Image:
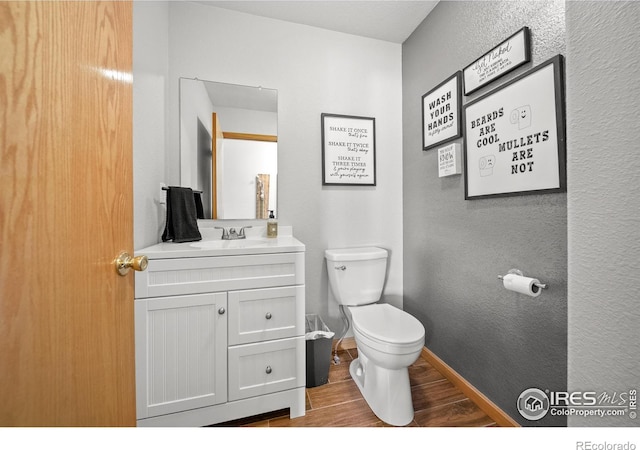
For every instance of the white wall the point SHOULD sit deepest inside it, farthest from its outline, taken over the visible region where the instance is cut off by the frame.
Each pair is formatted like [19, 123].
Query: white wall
[242, 160]
[150, 118]
[603, 91]
[315, 71]
[196, 107]
[238, 120]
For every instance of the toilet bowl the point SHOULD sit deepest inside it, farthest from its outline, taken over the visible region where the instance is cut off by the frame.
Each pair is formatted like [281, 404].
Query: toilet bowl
[388, 339]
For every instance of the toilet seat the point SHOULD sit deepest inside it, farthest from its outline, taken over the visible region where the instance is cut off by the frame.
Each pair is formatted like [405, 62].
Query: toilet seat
[387, 328]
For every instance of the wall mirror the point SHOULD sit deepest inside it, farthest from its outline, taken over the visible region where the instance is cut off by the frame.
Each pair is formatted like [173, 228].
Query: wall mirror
[229, 147]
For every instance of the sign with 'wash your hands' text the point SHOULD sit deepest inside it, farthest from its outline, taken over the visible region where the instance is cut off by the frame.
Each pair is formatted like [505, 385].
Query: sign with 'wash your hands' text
[441, 111]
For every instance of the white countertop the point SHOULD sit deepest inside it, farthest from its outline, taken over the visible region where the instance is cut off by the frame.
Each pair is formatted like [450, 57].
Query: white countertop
[211, 244]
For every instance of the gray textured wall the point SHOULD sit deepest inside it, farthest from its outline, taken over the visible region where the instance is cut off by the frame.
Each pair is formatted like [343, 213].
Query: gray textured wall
[603, 200]
[500, 341]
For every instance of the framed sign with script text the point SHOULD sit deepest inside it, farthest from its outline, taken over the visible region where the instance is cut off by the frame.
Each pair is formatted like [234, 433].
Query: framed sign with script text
[442, 112]
[500, 60]
[515, 136]
[348, 150]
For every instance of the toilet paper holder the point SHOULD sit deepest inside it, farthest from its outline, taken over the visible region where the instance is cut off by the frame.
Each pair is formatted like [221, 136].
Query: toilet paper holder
[519, 272]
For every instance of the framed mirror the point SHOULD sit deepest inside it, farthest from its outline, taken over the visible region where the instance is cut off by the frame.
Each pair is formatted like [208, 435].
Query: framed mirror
[229, 147]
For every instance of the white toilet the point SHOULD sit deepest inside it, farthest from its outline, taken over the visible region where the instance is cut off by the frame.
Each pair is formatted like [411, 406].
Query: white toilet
[389, 340]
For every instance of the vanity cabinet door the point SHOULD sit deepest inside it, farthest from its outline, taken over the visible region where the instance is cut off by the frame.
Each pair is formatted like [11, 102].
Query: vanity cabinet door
[181, 353]
[264, 314]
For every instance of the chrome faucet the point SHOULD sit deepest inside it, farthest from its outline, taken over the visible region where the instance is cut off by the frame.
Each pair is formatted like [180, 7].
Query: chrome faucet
[232, 233]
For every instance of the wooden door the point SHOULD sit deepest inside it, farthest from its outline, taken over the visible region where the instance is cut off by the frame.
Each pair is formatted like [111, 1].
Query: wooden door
[66, 316]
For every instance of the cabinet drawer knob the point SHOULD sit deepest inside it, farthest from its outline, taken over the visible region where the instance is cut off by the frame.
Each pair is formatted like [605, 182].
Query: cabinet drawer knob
[268, 316]
[268, 369]
[222, 311]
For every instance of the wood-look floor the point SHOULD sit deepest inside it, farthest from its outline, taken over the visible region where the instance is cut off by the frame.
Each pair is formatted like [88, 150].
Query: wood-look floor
[437, 402]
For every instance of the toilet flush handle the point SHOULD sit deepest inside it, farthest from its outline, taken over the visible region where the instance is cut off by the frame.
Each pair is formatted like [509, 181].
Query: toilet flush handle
[343, 267]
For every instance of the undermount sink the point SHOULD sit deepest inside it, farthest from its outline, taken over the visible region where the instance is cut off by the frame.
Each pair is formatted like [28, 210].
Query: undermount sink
[231, 243]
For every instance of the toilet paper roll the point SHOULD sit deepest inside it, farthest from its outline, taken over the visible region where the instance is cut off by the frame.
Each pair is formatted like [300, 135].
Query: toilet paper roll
[522, 285]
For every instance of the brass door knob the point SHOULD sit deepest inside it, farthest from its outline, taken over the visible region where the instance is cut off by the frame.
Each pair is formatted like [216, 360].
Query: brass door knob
[124, 262]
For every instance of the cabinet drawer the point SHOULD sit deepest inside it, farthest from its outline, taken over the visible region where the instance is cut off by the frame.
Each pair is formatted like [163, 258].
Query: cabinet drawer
[266, 367]
[180, 276]
[264, 314]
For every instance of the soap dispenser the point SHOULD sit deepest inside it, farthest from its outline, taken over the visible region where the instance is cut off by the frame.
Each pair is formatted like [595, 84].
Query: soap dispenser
[272, 225]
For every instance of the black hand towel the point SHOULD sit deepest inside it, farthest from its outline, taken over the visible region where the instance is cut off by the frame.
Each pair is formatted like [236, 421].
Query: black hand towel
[182, 224]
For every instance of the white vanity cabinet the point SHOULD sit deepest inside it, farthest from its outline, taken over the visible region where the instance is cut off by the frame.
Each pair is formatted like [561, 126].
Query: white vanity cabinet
[219, 335]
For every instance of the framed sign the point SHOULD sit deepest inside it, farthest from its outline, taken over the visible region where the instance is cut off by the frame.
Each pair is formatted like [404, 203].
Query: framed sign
[348, 150]
[515, 136]
[441, 112]
[500, 60]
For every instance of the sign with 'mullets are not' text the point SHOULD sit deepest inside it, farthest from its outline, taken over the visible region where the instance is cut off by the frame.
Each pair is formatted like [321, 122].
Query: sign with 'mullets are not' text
[515, 136]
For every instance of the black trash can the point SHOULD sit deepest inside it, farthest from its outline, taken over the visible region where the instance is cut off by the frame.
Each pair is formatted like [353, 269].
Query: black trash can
[319, 340]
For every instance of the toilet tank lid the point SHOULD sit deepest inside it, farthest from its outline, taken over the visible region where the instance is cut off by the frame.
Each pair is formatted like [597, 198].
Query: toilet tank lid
[355, 254]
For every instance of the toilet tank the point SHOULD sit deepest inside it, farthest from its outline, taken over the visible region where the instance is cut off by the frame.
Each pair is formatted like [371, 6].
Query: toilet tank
[356, 275]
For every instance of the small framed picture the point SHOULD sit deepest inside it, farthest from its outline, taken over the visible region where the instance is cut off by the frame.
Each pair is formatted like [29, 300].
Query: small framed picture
[508, 55]
[348, 150]
[441, 112]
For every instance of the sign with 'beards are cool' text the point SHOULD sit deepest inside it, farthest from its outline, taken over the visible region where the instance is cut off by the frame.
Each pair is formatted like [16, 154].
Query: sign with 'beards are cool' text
[515, 136]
